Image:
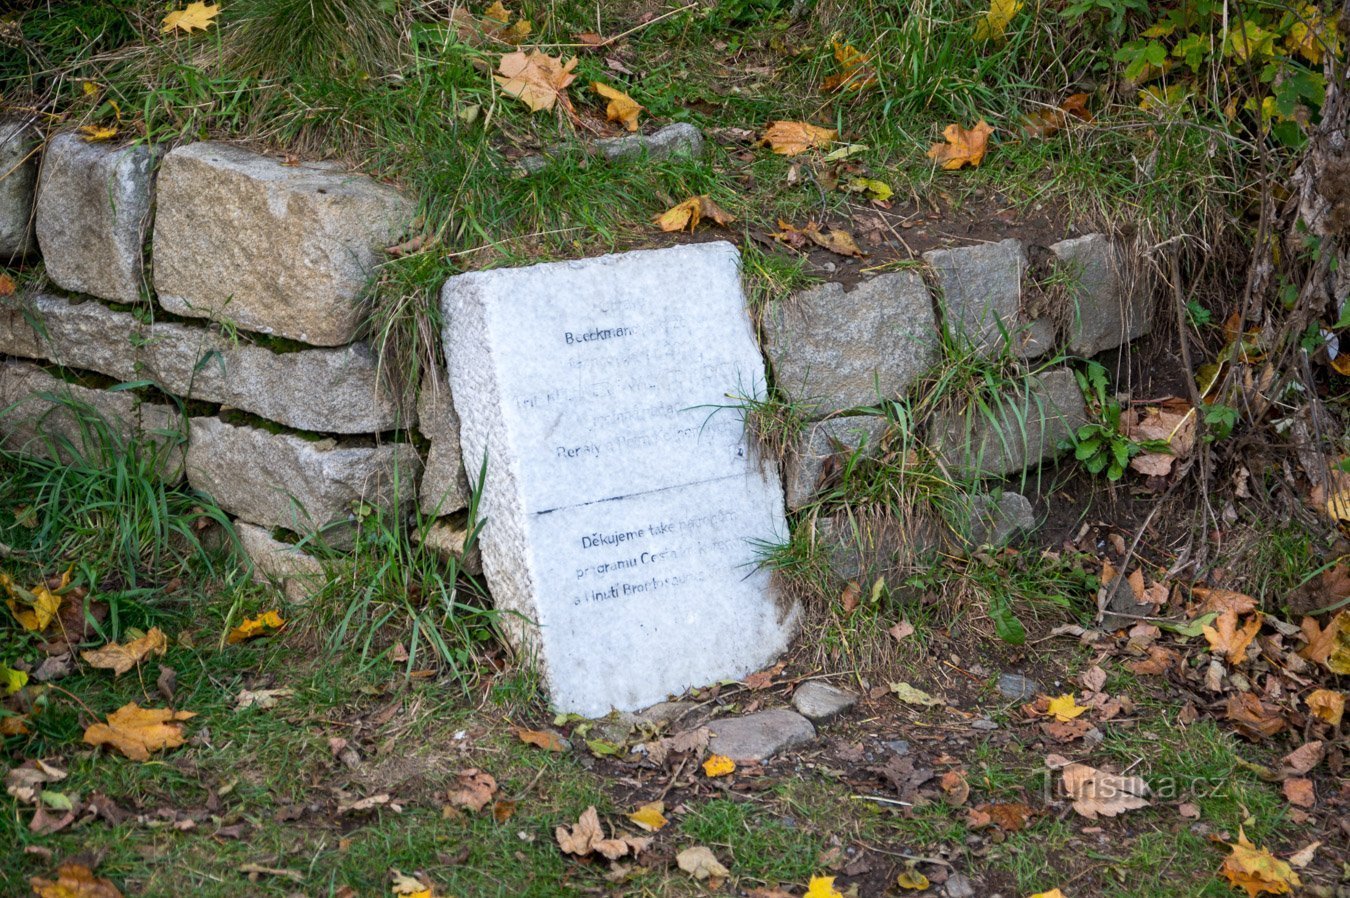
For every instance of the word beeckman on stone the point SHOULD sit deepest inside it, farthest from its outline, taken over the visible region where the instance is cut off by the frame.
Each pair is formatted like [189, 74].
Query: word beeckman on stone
[623, 503]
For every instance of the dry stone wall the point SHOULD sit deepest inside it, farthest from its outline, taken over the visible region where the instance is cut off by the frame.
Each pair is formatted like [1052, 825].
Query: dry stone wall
[225, 291]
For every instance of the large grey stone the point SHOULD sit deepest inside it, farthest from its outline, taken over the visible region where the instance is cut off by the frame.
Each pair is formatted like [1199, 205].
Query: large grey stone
[1108, 311]
[995, 521]
[326, 390]
[760, 736]
[866, 547]
[680, 139]
[78, 334]
[284, 480]
[820, 702]
[620, 507]
[93, 207]
[672, 141]
[1012, 431]
[833, 350]
[445, 485]
[294, 571]
[833, 442]
[42, 415]
[981, 292]
[280, 249]
[18, 179]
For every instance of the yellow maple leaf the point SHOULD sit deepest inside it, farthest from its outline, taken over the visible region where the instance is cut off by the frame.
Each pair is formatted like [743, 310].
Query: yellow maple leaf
[993, 24]
[1065, 708]
[33, 610]
[851, 75]
[94, 133]
[195, 16]
[650, 816]
[536, 79]
[1053, 893]
[1225, 637]
[963, 146]
[718, 765]
[74, 881]
[406, 886]
[1327, 705]
[822, 887]
[122, 658]
[1257, 870]
[621, 108]
[263, 625]
[690, 212]
[795, 138]
[137, 731]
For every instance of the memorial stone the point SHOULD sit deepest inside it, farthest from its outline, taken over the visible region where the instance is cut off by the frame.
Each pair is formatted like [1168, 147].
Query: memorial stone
[624, 506]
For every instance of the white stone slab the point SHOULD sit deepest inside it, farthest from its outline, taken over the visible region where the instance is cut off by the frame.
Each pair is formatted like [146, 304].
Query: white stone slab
[622, 507]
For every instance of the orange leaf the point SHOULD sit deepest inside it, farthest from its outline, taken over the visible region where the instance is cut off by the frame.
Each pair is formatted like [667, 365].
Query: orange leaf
[74, 881]
[963, 147]
[545, 739]
[1224, 637]
[795, 138]
[718, 765]
[122, 658]
[622, 108]
[137, 731]
[264, 624]
[690, 212]
[1327, 705]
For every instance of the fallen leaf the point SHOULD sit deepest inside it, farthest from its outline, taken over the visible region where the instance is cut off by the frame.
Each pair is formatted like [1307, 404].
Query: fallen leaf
[911, 879]
[137, 731]
[700, 863]
[1159, 661]
[962, 147]
[1257, 870]
[166, 681]
[545, 739]
[1304, 758]
[850, 598]
[1189, 810]
[1254, 718]
[795, 138]
[1299, 792]
[1221, 600]
[262, 699]
[588, 836]
[1064, 708]
[7, 285]
[1053, 893]
[1304, 856]
[901, 630]
[503, 810]
[264, 624]
[122, 658]
[1010, 817]
[409, 886]
[12, 680]
[74, 881]
[993, 25]
[853, 74]
[822, 887]
[912, 696]
[1326, 705]
[621, 108]
[650, 816]
[956, 787]
[473, 789]
[33, 610]
[195, 16]
[1225, 637]
[718, 765]
[1095, 792]
[836, 241]
[536, 79]
[690, 212]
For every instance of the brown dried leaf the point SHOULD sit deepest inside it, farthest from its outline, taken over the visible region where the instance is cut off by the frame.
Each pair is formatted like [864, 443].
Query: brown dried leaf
[1252, 717]
[1225, 637]
[1304, 758]
[473, 789]
[1095, 792]
[1326, 705]
[1221, 600]
[74, 881]
[1299, 792]
[122, 658]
